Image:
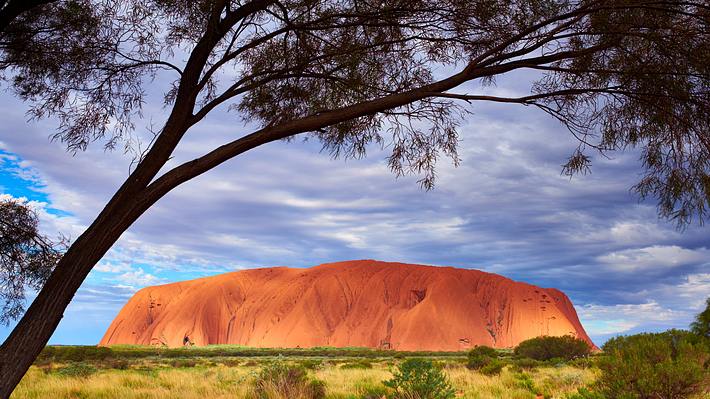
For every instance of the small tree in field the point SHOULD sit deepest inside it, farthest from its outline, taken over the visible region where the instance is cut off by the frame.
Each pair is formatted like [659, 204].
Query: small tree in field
[701, 325]
[669, 365]
[547, 348]
[350, 73]
[421, 379]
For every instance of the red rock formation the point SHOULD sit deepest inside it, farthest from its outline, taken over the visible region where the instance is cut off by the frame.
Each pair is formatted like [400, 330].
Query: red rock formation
[356, 303]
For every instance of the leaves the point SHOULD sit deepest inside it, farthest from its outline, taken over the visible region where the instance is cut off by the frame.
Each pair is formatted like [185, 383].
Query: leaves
[26, 257]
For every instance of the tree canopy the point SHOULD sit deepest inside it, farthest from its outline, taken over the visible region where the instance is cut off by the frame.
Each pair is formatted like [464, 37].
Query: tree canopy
[618, 74]
[701, 324]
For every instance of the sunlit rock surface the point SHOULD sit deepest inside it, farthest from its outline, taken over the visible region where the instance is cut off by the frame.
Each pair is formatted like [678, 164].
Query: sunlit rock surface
[355, 303]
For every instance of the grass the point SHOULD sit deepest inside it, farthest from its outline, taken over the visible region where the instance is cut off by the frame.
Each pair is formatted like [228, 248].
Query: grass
[229, 372]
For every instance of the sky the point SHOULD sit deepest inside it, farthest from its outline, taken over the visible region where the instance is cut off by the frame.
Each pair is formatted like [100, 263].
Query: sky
[507, 209]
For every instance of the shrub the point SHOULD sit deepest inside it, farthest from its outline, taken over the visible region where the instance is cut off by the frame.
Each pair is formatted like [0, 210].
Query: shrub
[661, 365]
[421, 379]
[118, 364]
[279, 380]
[478, 362]
[311, 364]
[480, 357]
[701, 325]
[360, 364]
[483, 351]
[582, 363]
[77, 370]
[524, 381]
[545, 348]
[584, 393]
[494, 367]
[372, 392]
[526, 364]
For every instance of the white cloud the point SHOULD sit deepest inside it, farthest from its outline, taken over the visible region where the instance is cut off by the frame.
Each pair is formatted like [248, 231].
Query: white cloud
[138, 278]
[620, 318]
[656, 257]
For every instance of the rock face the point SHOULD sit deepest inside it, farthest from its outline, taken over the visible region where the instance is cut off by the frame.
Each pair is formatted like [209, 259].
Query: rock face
[356, 303]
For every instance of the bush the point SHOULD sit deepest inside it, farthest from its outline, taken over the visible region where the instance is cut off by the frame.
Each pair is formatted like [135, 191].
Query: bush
[311, 364]
[478, 362]
[546, 348]
[483, 351]
[279, 380]
[662, 365]
[421, 379]
[358, 365]
[480, 357]
[77, 370]
[372, 392]
[582, 363]
[526, 364]
[494, 367]
[584, 393]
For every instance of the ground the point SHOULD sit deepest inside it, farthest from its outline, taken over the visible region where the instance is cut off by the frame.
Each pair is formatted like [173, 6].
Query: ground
[228, 372]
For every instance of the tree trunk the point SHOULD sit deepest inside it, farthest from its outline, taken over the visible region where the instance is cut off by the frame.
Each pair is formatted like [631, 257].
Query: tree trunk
[37, 325]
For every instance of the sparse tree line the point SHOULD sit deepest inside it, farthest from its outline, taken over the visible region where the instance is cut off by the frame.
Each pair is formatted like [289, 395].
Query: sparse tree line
[351, 74]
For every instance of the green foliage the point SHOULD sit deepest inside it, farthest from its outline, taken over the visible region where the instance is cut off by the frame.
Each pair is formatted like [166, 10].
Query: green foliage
[582, 362]
[667, 365]
[26, 256]
[585, 393]
[526, 363]
[77, 370]
[421, 379]
[483, 351]
[480, 357]
[523, 380]
[477, 362]
[84, 353]
[494, 367]
[288, 382]
[373, 392]
[547, 348]
[701, 325]
[311, 364]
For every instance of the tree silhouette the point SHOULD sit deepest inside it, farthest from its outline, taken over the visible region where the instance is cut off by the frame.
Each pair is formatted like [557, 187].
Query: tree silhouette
[26, 257]
[350, 73]
[701, 324]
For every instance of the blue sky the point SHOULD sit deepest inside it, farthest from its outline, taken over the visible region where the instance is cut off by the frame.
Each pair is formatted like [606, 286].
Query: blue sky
[506, 209]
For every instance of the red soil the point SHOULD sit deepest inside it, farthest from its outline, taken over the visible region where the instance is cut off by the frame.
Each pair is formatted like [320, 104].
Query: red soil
[355, 303]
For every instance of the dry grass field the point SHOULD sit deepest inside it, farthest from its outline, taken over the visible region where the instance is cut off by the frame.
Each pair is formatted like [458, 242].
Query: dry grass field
[355, 376]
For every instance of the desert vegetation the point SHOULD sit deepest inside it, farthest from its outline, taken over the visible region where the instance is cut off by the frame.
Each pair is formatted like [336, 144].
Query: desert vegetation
[673, 364]
[237, 372]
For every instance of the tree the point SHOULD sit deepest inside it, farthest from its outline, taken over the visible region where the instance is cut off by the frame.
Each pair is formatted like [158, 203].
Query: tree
[565, 347]
[671, 364]
[701, 325]
[26, 257]
[419, 378]
[11, 9]
[618, 74]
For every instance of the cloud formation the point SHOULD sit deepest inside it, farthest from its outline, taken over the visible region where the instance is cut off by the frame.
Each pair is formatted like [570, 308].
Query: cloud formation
[506, 209]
